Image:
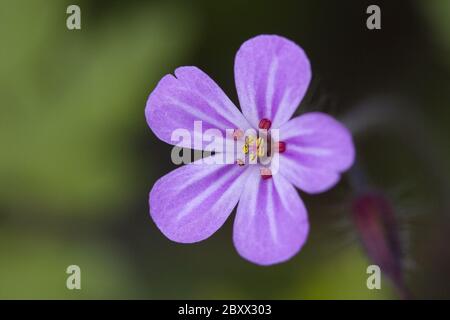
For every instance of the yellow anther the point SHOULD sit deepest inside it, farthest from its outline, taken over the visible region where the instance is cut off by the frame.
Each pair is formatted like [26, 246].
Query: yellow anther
[260, 149]
[261, 152]
[249, 140]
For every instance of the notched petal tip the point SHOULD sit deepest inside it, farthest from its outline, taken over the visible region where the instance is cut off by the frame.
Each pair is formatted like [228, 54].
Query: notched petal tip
[179, 101]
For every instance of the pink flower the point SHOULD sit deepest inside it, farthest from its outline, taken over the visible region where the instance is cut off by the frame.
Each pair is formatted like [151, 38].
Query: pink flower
[192, 202]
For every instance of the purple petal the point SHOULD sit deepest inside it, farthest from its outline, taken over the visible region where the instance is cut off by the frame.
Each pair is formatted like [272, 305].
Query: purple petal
[271, 223]
[190, 95]
[318, 149]
[272, 74]
[192, 202]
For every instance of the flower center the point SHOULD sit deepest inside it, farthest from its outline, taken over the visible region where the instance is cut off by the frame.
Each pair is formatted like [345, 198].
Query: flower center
[259, 148]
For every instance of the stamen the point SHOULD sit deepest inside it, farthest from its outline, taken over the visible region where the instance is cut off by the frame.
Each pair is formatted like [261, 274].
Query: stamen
[266, 173]
[237, 134]
[255, 147]
[260, 147]
[258, 141]
[265, 124]
[281, 146]
[249, 147]
[245, 148]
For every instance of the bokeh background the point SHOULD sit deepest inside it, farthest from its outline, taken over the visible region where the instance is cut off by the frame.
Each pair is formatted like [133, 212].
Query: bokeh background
[77, 159]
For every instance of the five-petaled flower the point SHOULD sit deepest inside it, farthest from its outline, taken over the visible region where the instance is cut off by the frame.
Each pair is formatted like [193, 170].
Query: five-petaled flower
[192, 202]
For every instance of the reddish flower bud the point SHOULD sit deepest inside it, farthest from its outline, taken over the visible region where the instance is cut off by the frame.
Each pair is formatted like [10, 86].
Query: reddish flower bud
[375, 221]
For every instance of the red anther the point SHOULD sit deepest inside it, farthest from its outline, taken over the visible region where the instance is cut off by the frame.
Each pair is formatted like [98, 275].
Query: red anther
[266, 173]
[265, 124]
[266, 176]
[237, 134]
[281, 146]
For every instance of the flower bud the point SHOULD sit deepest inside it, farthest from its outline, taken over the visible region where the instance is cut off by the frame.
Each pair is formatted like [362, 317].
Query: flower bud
[377, 226]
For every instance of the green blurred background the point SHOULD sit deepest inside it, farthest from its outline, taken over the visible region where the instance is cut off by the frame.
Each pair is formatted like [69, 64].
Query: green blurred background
[77, 159]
